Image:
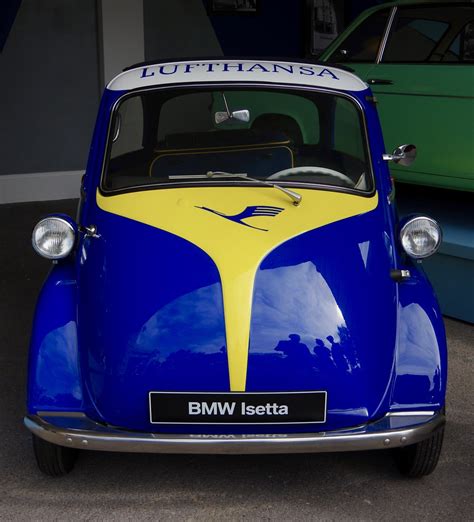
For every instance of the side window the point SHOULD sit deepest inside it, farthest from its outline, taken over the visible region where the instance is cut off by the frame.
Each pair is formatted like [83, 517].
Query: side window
[128, 127]
[416, 33]
[347, 136]
[362, 44]
[462, 47]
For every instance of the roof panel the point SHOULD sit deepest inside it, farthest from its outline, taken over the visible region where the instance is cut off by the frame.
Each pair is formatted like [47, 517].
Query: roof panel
[205, 71]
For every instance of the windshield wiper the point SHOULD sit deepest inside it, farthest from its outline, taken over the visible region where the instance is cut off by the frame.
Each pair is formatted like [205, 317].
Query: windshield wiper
[294, 196]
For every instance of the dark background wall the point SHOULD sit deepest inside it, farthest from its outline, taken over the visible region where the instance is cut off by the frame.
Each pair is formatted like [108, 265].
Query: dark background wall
[275, 30]
[353, 9]
[178, 28]
[7, 17]
[49, 89]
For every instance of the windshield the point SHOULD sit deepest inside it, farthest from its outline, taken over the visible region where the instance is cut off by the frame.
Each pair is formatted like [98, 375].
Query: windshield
[178, 136]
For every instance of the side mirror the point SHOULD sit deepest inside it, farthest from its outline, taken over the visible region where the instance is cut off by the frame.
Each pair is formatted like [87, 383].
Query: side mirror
[404, 155]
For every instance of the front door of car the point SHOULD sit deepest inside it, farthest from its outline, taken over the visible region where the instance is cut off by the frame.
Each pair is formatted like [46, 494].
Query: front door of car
[423, 84]
[421, 72]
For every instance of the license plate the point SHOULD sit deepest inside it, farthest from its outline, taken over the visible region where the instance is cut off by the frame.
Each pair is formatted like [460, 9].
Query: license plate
[237, 408]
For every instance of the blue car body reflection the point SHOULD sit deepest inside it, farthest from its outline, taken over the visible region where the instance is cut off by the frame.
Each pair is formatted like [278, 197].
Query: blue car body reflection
[312, 328]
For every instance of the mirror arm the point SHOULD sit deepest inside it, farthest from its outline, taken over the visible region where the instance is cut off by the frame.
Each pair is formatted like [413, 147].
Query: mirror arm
[229, 114]
[393, 157]
[405, 155]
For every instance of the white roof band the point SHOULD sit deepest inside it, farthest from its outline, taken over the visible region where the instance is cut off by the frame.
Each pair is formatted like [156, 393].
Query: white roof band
[208, 71]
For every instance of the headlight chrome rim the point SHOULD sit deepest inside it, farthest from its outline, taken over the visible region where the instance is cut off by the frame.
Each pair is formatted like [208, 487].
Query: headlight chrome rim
[410, 223]
[43, 253]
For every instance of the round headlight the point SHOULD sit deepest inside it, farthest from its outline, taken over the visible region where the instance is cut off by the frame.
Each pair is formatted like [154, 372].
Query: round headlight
[53, 238]
[420, 237]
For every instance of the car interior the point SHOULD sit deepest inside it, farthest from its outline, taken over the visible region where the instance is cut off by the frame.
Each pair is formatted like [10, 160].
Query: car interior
[268, 146]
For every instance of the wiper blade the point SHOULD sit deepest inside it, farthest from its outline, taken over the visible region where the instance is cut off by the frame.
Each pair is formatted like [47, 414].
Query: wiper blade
[210, 174]
[294, 196]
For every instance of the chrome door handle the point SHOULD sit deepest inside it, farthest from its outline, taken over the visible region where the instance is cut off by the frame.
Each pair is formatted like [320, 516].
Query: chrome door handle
[379, 81]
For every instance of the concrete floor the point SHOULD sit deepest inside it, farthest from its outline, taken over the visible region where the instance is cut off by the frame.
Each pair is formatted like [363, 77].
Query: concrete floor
[106, 486]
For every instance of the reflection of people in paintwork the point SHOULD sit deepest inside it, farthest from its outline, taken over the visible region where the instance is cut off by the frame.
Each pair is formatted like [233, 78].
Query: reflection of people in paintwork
[338, 356]
[348, 348]
[294, 348]
[436, 383]
[323, 356]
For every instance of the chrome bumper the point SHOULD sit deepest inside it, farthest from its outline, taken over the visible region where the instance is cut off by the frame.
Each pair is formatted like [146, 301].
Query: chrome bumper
[78, 431]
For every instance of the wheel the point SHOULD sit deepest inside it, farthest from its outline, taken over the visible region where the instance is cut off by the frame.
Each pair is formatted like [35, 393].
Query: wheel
[53, 460]
[420, 459]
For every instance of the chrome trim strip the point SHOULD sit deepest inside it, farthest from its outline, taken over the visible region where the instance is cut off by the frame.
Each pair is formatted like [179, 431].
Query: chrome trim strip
[69, 414]
[388, 28]
[375, 435]
[410, 414]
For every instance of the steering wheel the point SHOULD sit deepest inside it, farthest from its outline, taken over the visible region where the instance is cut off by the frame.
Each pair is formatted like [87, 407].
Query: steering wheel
[295, 171]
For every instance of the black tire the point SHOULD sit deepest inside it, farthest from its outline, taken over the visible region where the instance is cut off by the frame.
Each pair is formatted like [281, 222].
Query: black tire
[53, 460]
[420, 459]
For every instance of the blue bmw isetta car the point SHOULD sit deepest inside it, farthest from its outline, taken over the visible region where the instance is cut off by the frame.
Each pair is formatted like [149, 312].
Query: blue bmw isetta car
[237, 279]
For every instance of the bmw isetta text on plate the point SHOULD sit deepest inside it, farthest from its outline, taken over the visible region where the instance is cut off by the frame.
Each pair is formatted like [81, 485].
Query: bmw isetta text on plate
[237, 280]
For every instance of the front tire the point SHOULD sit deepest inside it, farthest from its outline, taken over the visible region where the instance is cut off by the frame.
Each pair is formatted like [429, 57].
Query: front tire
[53, 460]
[418, 460]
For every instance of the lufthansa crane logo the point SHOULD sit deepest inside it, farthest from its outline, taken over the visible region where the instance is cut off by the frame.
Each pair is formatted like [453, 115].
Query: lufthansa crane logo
[249, 212]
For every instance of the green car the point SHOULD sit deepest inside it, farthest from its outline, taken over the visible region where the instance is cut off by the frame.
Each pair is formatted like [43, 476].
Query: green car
[418, 58]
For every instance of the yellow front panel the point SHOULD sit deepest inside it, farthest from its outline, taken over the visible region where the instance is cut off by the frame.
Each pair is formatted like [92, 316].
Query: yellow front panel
[236, 249]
